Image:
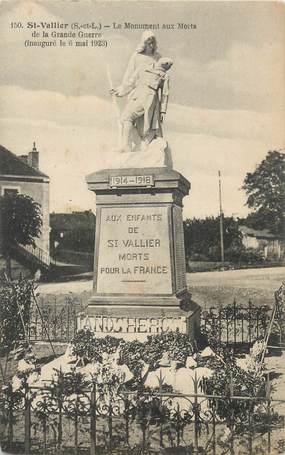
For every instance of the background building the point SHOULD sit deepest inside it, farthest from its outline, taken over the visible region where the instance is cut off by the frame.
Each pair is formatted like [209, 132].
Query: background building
[271, 245]
[21, 174]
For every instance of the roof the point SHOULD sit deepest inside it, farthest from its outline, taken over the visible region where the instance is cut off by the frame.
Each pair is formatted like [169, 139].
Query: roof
[68, 221]
[11, 164]
[258, 233]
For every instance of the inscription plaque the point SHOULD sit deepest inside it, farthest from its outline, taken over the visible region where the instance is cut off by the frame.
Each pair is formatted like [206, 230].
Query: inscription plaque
[105, 324]
[134, 251]
[131, 180]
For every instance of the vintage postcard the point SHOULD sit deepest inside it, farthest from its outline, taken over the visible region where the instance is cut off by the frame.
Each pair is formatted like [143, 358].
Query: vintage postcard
[142, 243]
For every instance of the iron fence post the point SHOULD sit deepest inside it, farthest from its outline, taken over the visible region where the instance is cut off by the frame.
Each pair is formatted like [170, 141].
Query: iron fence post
[59, 442]
[196, 416]
[55, 321]
[235, 324]
[160, 407]
[48, 325]
[45, 428]
[214, 427]
[59, 405]
[10, 424]
[143, 426]
[178, 425]
[127, 405]
[143, 437]
[27, 420]
[268, 400]
[74, 321]
[249, 320]
[220, 325]
[231, 415]
[110, 423]
[250, 428]
[68, 321]
[76, 426]
[227, 328]
[93, 428]
[61, 326]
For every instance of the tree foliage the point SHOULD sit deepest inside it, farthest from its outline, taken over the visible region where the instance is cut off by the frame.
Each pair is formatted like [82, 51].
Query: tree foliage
[202, 237]
[265, 189]
[21, 223]
[21, 219]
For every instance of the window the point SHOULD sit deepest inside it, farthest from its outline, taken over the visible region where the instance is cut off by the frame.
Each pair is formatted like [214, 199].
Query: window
[10, 190]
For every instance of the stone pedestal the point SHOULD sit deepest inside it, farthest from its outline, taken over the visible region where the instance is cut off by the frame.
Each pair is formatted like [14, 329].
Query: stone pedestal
[139, 270]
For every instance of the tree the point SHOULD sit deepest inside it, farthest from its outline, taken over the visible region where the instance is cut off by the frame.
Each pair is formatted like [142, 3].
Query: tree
[21, 222]
[202, 237]
[265, 189]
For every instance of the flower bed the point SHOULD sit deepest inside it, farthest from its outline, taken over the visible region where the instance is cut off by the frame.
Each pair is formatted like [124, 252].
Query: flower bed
[141, 395]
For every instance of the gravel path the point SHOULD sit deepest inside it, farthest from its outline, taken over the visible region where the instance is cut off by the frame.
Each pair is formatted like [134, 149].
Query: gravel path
[268, 279]
[220, 288]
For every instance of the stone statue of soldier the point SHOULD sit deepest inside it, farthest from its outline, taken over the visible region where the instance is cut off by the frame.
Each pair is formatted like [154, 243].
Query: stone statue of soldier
[148, 90]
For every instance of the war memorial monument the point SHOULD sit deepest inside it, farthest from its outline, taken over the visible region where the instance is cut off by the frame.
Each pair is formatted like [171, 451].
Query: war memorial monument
[139, 271]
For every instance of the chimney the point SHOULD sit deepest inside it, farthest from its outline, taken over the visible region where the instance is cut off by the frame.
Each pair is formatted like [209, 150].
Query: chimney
[24, 158]
[33, 157]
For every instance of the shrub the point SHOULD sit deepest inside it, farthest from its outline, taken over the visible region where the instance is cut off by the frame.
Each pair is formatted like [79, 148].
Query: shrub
[131, 354]
[239, 254]
[89, 348]
[134, 353]
[15, 307]
[198, 257]
[228, 379]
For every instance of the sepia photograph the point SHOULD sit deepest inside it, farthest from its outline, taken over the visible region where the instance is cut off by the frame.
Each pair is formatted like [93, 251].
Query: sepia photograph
[142, 235]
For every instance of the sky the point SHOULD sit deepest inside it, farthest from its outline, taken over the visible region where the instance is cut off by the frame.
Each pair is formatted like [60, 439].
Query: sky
[227, 99]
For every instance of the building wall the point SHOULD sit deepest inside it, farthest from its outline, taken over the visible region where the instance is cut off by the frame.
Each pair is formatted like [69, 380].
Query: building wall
[271, 248]
[39, 191]
[249, 242]
[17, 270]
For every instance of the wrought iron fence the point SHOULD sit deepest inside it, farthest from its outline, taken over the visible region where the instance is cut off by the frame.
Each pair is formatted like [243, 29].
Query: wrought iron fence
[236, 324]
[38, 252]
[54, 318]
[90, 420]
